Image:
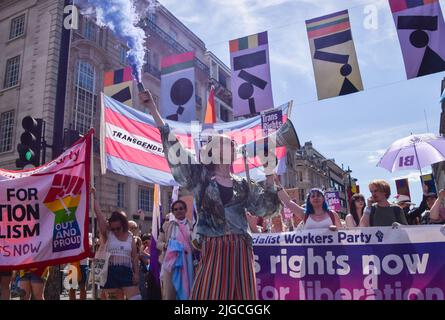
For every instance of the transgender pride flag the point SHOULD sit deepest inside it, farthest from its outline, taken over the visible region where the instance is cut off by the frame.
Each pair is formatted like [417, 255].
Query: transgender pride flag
[131, 143]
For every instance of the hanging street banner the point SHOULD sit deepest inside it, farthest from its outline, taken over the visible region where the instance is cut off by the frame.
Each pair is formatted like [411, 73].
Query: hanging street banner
[333, 200]
[333, 55]
[376, 263]
[131, 143]
[251, 84]
[44, 211]
[421, 30]
[178, 100]
[118, 84]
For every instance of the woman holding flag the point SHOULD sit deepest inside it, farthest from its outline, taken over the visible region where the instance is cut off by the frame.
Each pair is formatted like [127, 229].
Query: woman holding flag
[226, 269]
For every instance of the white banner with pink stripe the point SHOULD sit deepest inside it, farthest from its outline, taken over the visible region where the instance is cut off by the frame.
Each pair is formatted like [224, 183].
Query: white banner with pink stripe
[131, 143]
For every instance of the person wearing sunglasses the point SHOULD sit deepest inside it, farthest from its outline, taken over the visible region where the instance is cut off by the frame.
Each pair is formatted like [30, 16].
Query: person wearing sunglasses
[123, 267]
[226, 268]
[358, 204]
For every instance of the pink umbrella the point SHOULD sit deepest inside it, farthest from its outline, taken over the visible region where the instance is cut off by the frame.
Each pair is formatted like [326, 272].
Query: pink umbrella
[414, 152]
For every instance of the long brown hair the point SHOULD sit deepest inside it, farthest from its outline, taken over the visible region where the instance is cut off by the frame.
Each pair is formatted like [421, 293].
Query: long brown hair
[354, 213]
[119, 216]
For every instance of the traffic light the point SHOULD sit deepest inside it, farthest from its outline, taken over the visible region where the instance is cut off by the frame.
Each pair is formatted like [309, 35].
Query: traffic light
[30, 145]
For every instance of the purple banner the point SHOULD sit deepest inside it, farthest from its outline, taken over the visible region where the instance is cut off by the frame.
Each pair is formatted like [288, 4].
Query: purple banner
[333, 199]
[271, 121]
[251, 84]
[421, 30]
[356, 264]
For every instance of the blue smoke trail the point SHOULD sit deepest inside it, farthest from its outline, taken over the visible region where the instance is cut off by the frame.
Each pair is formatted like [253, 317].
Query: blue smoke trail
[120, 16]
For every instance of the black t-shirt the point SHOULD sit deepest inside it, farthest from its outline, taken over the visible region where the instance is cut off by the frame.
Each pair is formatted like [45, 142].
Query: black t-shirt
[226, 193]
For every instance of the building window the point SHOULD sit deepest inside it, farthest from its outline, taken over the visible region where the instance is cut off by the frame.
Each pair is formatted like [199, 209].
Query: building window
[222, 79]
[17, 27]
[6, 130]
[90, 30]
[224, 113]
[12, 72]
[300, 176]
[123, 55]
[301, 195]
[120, 194]
[85, 98]
[145, 199]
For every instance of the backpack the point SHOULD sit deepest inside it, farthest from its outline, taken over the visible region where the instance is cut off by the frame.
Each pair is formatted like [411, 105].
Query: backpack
[330, 213]
[396, 210]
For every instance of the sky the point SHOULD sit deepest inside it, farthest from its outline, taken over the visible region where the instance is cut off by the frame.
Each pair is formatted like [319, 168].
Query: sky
[355, 129]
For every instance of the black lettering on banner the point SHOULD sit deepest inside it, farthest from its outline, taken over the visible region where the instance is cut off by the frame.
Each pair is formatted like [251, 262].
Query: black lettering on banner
[432, 62]
[246, 89]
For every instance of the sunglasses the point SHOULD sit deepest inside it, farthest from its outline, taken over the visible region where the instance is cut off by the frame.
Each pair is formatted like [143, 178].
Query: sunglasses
[177, 209]
[116, 229]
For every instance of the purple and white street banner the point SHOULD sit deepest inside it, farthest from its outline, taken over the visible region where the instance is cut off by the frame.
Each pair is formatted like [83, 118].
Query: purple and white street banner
[376, 263]
[251, 81]
[333, 199]
[421, 30]
[271, 121]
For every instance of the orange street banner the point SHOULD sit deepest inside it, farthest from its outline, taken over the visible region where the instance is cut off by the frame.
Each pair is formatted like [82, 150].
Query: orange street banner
[44, 211]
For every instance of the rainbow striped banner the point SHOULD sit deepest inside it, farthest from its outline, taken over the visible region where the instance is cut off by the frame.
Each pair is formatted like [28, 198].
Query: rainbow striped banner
[131, 143]
[333, 55]
[249, 42]
[328, 24]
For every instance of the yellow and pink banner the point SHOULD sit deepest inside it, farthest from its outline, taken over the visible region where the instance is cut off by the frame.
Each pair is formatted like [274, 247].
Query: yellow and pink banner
[44, 211]
[333, 55]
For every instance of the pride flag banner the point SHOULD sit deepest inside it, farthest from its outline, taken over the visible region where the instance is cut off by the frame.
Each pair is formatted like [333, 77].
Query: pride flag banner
[421, 30]
[44, 211]
[428, 183]
[333, 55]
[178, 100]
[402, 186]
[251, 81]
[131, 143]
[375, 263]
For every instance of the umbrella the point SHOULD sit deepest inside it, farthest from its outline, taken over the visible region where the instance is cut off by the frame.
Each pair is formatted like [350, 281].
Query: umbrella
[414, 152]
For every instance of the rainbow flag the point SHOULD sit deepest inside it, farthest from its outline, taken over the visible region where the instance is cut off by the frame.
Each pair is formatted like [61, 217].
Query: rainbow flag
[210, 116]
[248, 42]
[331, 23]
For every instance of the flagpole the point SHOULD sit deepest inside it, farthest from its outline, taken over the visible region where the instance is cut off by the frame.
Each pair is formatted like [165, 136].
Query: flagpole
[93, 216]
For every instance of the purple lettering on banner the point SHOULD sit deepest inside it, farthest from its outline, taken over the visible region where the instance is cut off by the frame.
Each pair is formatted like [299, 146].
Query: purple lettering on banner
[359, 264]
